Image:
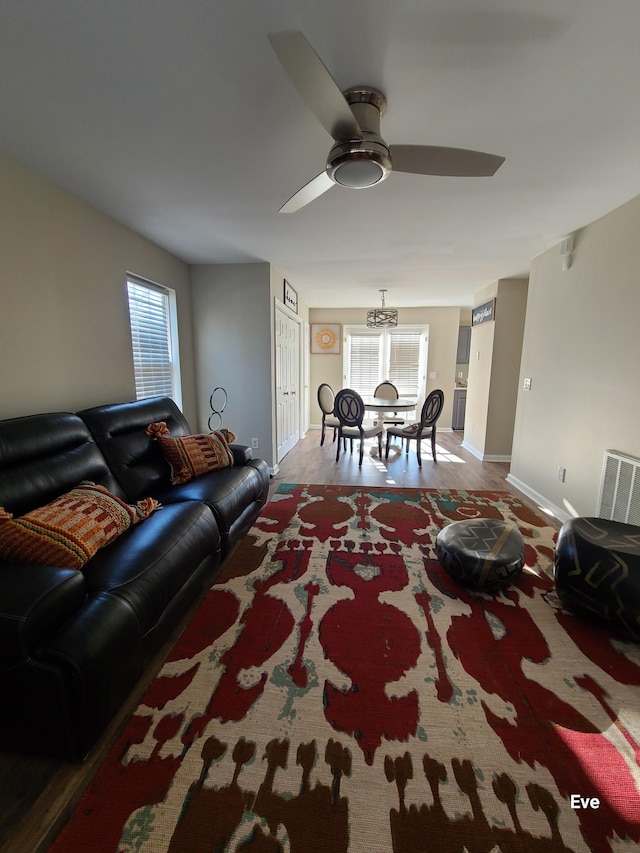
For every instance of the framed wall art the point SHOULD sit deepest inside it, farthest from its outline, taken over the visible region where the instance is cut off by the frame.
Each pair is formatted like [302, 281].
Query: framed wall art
[290, 297]
[484, 313]
[325, 338]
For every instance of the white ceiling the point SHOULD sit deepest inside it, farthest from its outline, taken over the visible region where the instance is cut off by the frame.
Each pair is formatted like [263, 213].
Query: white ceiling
[175, 118]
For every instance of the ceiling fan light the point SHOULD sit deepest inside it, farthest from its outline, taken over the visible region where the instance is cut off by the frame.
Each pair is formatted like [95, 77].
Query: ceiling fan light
[358, 163]
[358, 174]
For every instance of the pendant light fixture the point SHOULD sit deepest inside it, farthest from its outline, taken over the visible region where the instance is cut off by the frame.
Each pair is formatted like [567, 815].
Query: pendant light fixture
[382, 318]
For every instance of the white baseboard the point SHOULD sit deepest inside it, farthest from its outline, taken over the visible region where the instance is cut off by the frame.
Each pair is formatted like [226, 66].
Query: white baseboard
[484, 457]
[544, 504]
[472, 450]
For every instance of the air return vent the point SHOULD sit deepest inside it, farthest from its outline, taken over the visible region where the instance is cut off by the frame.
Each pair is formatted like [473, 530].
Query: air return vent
[620, 488]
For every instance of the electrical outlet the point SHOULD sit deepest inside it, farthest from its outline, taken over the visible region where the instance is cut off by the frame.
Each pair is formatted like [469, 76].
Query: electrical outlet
[562, 473]
[526, 385]
[255, 443]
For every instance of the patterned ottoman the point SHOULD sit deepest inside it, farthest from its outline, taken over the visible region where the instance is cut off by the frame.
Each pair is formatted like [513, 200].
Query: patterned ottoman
[597, 572]
[482, 553]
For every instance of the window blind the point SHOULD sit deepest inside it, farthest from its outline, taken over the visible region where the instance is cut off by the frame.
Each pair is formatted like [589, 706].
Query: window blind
[404, 362]
[151, 340]
[364, 362]
[397, 355]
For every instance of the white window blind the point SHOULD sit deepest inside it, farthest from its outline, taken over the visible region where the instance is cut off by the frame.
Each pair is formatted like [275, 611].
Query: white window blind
[404, 362]
[364, 362]
[398, 355]
[153, 340]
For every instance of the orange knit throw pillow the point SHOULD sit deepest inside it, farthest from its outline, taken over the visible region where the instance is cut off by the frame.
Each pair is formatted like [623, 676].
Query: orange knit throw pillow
[191, 455]
[68, 531]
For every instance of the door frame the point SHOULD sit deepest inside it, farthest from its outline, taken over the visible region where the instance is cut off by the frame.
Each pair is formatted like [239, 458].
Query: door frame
[278, 305]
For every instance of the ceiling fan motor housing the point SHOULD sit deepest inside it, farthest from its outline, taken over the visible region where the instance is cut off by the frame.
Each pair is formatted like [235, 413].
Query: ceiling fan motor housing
[361, 163]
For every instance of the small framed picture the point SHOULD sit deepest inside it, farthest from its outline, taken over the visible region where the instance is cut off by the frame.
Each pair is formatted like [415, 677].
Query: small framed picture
[290, 297]
[325, 338]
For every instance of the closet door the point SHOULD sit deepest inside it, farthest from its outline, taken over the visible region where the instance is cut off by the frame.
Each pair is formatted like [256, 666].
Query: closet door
[287, 341]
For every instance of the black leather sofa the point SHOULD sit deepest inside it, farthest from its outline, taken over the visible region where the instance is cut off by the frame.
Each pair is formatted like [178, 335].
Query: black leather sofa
[74, 643]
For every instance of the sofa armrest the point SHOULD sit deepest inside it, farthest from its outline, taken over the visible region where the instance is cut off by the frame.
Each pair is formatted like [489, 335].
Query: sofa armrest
[34, 602]
[242, 454]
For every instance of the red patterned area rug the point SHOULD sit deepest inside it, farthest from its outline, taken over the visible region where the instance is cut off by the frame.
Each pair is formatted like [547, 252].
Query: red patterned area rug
[337, 691]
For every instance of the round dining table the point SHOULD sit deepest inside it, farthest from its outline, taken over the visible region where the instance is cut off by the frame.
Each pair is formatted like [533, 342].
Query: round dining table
[385, 405]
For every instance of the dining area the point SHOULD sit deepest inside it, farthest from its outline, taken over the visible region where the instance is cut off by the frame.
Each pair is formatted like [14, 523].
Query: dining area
[381, 416]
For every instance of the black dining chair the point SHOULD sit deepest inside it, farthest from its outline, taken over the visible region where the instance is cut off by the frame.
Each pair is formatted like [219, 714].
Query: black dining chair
[326, 399]
[349, 409]
[424, 428]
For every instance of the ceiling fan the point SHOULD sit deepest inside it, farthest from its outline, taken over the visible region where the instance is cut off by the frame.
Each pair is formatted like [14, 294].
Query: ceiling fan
[360, 157]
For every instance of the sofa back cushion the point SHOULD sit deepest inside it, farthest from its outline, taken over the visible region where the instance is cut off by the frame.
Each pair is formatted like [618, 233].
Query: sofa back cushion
[44, 456]
[134, 457]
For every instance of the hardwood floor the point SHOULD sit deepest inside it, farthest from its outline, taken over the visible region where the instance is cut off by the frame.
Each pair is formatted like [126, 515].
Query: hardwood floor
[36, 795]
[456, 468]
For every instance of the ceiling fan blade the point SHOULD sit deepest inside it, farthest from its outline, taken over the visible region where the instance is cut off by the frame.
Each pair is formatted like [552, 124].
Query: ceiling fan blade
[315, 188]
[309, 75]
[437, 160]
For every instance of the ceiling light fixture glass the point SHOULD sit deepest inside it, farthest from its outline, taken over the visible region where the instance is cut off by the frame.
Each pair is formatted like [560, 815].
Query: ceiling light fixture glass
[382, 318]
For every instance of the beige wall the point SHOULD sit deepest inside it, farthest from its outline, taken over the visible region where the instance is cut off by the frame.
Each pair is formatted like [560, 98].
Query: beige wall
[231, 310]
[479, 387]
[511, 307]
[64, 325]
[443, 342]
[581, 350]
[233, 321]
[494, 363]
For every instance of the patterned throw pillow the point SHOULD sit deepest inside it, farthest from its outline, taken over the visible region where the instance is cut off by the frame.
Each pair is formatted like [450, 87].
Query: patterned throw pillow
[191, 455]
[229, 436]
[68, 531]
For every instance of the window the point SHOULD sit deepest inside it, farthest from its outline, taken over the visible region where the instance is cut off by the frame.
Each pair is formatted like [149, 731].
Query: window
[399, 355]
[405, 361]
[154, 340]
[363, 361]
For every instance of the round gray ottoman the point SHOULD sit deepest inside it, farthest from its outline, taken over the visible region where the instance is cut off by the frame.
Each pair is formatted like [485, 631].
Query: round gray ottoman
[482, 553]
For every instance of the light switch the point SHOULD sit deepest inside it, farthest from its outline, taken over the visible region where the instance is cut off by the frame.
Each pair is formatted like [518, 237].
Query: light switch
[433, 374]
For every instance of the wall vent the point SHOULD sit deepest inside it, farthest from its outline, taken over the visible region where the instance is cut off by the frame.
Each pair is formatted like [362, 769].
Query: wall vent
[620, 488]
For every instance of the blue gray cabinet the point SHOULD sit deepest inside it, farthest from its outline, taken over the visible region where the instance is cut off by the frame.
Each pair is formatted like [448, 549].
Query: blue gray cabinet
[459, 406]
[464, 345]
